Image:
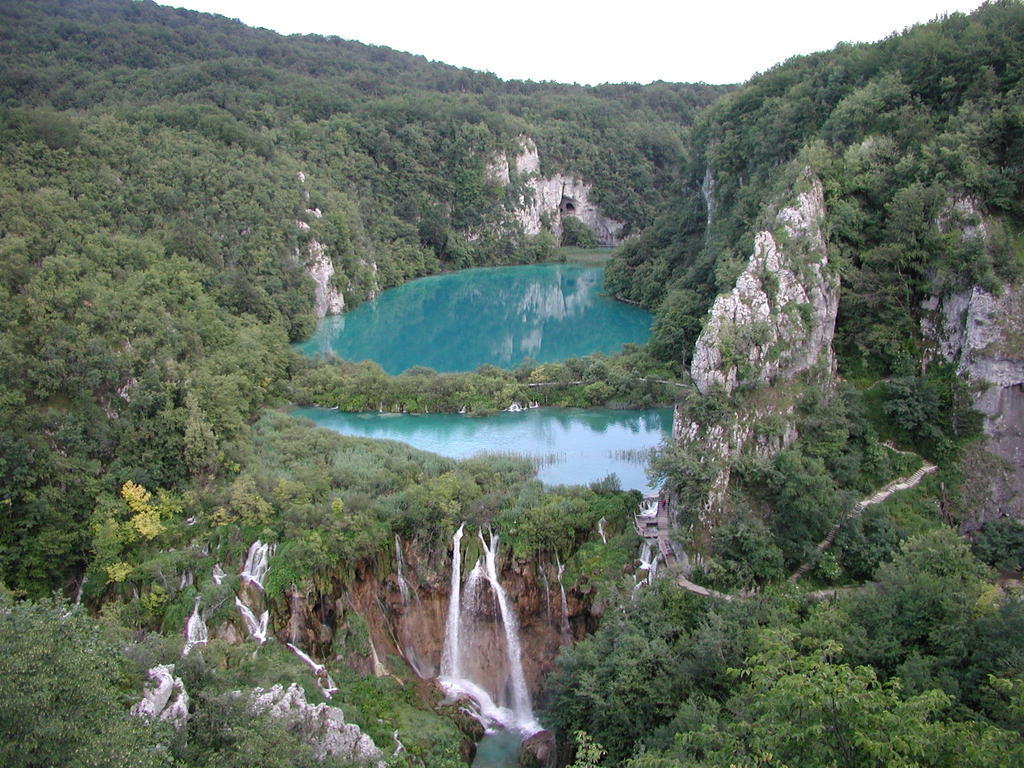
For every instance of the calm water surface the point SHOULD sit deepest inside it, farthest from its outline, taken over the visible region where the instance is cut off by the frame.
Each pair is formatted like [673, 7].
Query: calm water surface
[498, 749]
[576, 445]
[500, 316]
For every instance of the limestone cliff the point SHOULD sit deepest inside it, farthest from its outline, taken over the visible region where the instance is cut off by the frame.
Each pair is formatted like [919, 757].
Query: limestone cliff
[328, 298]
[775, 325]
[983, 334]
[780, 317]
[387, 617]
[547, 200]
[374, 616]
[322, 726]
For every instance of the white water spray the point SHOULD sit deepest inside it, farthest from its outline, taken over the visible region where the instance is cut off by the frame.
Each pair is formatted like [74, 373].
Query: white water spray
[257, 563]
[521, 706]
[403, 587]
[463, 607]
[566, 632]
[218, 574]
[323, 680]
[649, 560]
[450, 654]
[195, 630]
[257, 628]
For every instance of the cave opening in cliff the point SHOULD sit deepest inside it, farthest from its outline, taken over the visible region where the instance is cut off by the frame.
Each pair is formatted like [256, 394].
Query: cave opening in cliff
[567, 207]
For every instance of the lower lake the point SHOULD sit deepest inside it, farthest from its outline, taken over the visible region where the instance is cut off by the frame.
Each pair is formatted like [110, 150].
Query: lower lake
[573, 446]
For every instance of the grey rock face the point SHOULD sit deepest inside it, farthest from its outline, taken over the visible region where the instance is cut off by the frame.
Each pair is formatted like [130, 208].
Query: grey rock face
[778, 321]
[327, 299]
[984, 335]
[157, 702]
[552, 197]
[322, 725]
[780, 317]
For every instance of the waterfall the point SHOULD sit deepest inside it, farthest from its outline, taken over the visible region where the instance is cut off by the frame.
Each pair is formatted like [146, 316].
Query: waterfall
[323, 679]
[600, 530]
[403, 587]
[521, 707]
[195, 630]
[463, 607]
[648, 562]
[566, 632]
[295, 611]
[257, 628]
[257, 563]
[218, 574]
[450, 661]
[547, 593]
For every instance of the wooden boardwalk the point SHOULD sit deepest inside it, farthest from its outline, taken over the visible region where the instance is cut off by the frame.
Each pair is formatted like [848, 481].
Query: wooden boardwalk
[900, 484]
[653, 525]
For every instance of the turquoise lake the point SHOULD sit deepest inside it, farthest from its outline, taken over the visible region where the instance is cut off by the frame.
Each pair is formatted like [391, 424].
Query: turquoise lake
[499, 316]
[576, 446]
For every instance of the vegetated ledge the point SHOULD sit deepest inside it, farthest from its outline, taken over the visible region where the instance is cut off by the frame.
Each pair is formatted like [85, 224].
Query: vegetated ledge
[630, 379]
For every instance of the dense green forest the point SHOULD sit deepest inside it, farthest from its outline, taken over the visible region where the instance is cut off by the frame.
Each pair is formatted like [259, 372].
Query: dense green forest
[149, 199]
[162, 173]
[918, 142]
[895, 130]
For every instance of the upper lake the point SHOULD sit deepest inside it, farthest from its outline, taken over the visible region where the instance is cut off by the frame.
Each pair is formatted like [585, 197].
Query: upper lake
[499, 316]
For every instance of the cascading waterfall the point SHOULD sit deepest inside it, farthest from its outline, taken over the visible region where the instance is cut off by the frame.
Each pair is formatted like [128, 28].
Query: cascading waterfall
[566, 632]
[649, 560]
[195, 630]
[403, 587]
[323, 679]
[600, 530]
[521, 706]
[471, 594]
[547, 594]
[218, 574]
[450, 654]
[257, 563]
[463, 607]
[257, 628]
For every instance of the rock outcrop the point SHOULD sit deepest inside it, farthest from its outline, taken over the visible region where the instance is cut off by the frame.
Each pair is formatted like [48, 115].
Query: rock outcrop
[368, 616]
[538, 751]
[775, 325]
[322, 726]
[780, 317]
[157, 704]
[546, 200]
[327, 299]
[983, 334]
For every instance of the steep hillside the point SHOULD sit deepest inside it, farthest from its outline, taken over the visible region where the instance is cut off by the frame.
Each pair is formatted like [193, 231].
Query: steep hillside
[917, 145]
[181, 195]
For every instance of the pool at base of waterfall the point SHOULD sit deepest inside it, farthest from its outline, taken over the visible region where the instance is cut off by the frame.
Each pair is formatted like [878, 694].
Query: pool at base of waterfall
[498, 749]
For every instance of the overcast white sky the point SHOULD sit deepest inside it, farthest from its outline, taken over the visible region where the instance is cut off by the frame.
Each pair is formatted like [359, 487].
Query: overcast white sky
[714, 41]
